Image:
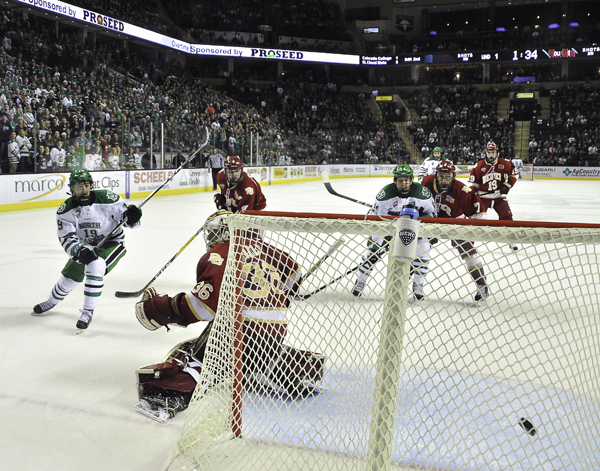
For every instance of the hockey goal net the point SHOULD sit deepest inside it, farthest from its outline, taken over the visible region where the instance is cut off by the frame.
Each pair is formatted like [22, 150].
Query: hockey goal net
[510, 382]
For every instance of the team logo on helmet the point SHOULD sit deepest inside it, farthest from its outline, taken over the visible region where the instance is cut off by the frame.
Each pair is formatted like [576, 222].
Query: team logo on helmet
[233, 161]
[446, 166]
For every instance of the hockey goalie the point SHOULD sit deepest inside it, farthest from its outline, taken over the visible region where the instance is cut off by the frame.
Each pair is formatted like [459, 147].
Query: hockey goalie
[271, 277]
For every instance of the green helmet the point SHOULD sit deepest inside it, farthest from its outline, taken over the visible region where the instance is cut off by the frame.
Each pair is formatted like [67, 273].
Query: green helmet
[80, 176]
[437, 149]
[403, 170]
[81, 193]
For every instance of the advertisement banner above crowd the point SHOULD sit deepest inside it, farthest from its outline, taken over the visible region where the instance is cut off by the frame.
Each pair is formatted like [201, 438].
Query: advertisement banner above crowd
[114, 24]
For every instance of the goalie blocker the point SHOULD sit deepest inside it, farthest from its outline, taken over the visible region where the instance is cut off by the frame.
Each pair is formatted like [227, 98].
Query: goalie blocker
[166, 388]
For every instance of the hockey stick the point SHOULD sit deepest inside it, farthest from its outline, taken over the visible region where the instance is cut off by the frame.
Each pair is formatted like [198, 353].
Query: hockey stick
[319, 262]
[303, 297]
[135, 294]
[204, 134]
[327, 183]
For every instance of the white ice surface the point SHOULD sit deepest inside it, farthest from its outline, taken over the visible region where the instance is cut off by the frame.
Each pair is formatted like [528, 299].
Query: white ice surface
[67, 400]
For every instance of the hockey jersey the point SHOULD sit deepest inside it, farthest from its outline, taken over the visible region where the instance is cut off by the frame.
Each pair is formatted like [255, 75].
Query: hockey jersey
[428, 167]
[461, 201]
[246, 195]
[488, 179]
[270, 275]
[389, 203]
[80, 226]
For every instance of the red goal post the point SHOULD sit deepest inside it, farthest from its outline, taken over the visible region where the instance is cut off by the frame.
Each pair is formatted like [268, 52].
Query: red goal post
[511, 382]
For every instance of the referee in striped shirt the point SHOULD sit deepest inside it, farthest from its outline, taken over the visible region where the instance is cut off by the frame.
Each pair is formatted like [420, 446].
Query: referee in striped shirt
[216, 164]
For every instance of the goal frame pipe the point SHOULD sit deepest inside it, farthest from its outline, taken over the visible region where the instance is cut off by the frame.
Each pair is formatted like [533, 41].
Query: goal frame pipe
[238, 338]
[427, 220]
[389, 365]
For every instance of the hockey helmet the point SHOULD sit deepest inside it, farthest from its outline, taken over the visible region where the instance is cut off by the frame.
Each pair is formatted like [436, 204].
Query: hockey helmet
[403, 177]
[233, 161]
[233, 170]
[491, 153]
[437, 153]
[215, 229]
[444, 175]
[81, 183]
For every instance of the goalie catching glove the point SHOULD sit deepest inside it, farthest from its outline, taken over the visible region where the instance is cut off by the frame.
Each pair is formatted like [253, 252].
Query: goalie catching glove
[133, 215]
[157, 310]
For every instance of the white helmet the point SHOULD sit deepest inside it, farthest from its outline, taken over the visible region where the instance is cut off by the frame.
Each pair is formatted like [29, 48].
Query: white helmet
[215, 229]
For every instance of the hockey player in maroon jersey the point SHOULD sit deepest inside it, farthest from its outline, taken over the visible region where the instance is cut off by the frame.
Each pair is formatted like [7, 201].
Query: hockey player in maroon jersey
[454, 199]
[272, 276]
[239, 191]
[493, 177]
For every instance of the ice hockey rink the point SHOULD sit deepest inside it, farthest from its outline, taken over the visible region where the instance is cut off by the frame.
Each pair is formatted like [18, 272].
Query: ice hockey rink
[66, 399]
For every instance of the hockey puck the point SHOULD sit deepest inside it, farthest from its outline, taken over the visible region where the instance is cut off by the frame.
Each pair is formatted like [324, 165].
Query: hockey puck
[527, 426]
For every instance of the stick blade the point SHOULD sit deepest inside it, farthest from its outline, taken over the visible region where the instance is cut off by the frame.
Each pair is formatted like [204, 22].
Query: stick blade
[126, 294]
[325, 176]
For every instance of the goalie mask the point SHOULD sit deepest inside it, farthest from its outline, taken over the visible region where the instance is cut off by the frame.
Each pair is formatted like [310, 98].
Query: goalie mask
[216, 230]
[233, 170]
[444, 176]
[403, 178]
[491, 153]
[80, 183]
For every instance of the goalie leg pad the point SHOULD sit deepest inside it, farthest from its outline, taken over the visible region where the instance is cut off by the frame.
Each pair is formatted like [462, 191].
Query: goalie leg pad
[298, 371]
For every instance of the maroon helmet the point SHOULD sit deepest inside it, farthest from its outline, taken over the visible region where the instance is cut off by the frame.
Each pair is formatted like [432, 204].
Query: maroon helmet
[233, 161]
[233, 170]
[444, 175]
[491, 153]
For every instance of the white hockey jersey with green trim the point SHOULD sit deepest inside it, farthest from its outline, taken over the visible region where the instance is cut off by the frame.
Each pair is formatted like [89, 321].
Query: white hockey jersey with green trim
[80, 226]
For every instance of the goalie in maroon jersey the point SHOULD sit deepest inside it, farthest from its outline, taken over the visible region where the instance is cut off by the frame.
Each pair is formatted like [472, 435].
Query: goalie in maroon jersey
[272, 276]
[454, 199]
[239, 191]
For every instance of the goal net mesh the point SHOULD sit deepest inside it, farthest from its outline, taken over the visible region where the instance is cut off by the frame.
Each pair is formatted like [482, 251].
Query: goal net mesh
[384, 381]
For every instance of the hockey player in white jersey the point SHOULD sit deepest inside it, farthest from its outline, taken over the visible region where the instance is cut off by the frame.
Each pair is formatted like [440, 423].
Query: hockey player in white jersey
[389, 202]
[430, 163]
[83, 220]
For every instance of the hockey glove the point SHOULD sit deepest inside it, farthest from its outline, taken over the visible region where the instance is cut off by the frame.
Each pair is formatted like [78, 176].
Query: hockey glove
[220, 201]
[504, 189]
[85, 256]
[133, 215]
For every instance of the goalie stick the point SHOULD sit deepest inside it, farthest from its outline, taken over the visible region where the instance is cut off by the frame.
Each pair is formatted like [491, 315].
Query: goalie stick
[135, 294]
[204, 135]
[327, 183]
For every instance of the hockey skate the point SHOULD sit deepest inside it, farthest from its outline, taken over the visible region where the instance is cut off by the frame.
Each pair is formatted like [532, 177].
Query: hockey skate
[418, 291]
[359, 284]
[482, 292]
[85, 320]
[42, 307]
[161, 407]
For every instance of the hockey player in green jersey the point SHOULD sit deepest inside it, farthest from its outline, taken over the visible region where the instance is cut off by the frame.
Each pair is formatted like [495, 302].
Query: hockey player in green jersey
[83, 220]
[389, 202]
[430, 163]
